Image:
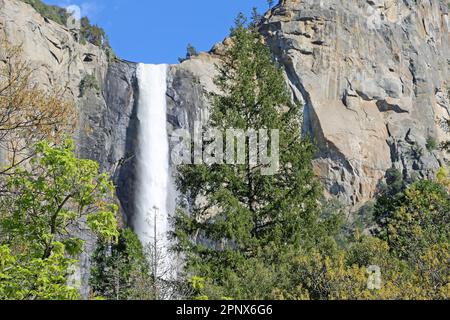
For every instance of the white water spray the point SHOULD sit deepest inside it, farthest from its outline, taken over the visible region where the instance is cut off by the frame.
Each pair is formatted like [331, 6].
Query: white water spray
[153, 193]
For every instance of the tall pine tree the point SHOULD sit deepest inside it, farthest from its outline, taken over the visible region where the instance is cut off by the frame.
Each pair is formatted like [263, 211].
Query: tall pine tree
[241, 223]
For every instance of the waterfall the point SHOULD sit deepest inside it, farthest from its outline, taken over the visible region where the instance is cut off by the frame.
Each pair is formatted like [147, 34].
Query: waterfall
[153, 193]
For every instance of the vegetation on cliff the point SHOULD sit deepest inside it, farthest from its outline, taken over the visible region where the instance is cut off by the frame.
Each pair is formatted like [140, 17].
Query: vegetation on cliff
[55, 13]
[27, 113]
[89, 82]
[88, 32]
[258, 218]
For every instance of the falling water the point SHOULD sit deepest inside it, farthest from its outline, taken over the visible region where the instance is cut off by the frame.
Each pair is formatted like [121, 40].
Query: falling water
[151, 221]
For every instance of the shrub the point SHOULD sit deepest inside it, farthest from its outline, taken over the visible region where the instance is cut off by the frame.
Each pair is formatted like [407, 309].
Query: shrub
[190, 52]
[431, 144]
[54, 13]
[89, 82]
[110, 54]
[92, 33]
[88, 32]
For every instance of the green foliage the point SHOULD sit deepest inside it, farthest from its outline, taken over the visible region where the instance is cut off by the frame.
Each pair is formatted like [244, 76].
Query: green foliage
[389, 195]
[394, 181]
[251, 236]
[343, 274]
[55, 13]
[419, 219]
[88, 32]
[256, 18]
[48, 196]
[190, 52]
[443, 177]
[266, 237]
[121, 270]
[431, 144]
[89, 82]
[110, 54]
[26, 278]
[414, 223]
[51, 197]
[93, 34]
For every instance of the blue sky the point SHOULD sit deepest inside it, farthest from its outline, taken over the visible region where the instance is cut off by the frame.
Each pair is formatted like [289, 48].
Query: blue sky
[158, 31]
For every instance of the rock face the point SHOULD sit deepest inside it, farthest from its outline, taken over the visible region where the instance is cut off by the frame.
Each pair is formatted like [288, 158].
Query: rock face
[188, 85]
[374, 79]
[108, 130]
[106, 117]
[373, 76]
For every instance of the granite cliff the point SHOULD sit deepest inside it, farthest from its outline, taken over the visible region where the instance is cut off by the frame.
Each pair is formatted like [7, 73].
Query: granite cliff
[374, 79]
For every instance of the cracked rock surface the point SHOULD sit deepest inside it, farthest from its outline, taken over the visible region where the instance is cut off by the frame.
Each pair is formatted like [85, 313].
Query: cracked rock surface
[374, 79]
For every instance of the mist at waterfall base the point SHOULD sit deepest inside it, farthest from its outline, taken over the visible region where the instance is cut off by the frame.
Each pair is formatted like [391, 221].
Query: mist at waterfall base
[155, 200]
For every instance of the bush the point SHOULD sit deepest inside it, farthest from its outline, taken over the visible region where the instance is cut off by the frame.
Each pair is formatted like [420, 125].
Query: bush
[55, 13]
[431, 144]
[110, 54]
[89, 82]
[190, 52]
[88, 32]
[92, 33]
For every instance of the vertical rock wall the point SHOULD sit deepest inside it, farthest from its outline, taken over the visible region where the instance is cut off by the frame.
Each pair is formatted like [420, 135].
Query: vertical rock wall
[374, 79]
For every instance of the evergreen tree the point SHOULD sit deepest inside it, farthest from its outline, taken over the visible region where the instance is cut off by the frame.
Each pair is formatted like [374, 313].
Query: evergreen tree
[191, 51]
[236, 236]
[121, 270]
